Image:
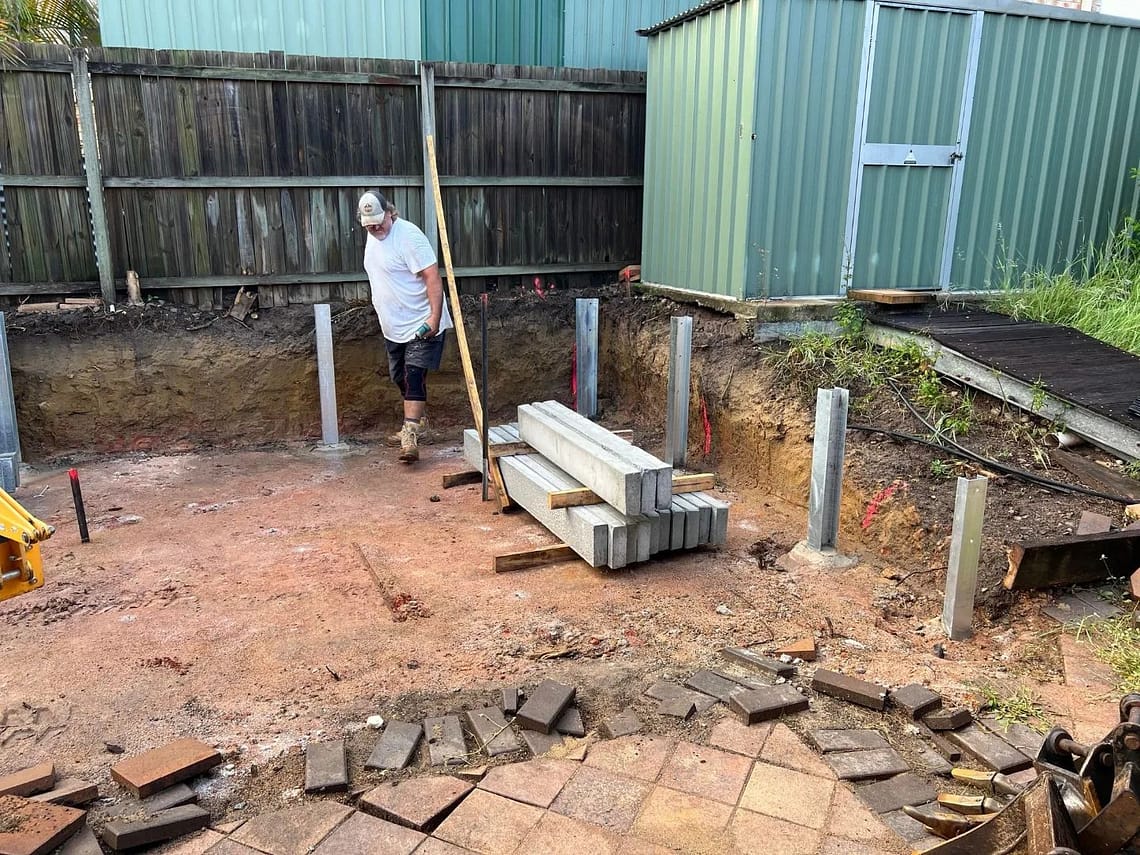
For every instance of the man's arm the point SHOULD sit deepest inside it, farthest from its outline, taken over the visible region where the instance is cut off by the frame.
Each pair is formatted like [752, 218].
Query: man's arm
[434, 285]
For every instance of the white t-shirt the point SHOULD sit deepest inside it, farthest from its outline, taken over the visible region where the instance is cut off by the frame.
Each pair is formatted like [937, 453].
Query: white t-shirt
[398, 294]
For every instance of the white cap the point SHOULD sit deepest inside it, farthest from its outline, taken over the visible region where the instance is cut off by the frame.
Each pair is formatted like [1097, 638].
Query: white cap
[370, 209]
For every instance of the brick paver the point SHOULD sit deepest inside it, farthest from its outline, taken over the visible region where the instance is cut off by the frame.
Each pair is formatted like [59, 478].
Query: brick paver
[36, 827]
[28, 782]
[161, 767]
[637, 846]
[83, 842]
[680, 820]
[489, 824]
[784, 748]
[417, 802]
[203, 841]
[536, 782]
[637, 756]
[292, 831]
[853, 820]
[229, 847]
[801, 798]
[361, 834]
[841, 846]
[556, 834]
[602, 797]
[756, 834]
[706, 772]
[733, 735]
[432, 846]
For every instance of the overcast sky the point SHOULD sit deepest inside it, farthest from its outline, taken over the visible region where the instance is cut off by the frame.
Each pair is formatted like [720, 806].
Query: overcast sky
[1126, 8]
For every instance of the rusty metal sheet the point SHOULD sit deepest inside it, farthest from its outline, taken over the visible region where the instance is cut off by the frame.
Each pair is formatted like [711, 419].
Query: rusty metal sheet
[1047, 823]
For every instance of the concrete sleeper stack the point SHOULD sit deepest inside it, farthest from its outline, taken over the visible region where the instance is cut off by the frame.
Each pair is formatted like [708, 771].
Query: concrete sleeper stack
[638, 515]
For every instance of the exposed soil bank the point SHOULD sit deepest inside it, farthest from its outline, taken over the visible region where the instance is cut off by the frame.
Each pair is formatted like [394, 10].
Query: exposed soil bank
[171, 379]
[165, 378]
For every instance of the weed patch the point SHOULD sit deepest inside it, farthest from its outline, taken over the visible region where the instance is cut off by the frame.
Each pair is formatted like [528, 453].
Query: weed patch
[1020, 707]
[1116, 642]
[1098, 294]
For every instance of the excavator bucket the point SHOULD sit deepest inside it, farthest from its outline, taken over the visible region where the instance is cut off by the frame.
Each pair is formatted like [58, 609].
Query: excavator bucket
[21, 568]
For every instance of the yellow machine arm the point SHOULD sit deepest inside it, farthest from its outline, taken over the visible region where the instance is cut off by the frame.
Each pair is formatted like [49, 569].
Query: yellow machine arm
[21, 569]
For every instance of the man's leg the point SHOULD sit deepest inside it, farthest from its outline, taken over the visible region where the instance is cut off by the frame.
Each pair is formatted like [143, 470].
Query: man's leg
[397, 371]
[420, 356]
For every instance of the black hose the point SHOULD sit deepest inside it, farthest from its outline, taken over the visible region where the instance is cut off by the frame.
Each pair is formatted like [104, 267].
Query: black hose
[961, 451]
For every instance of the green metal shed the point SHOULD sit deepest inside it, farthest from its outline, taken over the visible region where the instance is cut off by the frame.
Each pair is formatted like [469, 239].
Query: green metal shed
[799, 148]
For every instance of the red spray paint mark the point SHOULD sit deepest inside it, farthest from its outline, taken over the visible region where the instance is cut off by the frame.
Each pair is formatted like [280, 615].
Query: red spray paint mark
[707, 427]
[877, 501]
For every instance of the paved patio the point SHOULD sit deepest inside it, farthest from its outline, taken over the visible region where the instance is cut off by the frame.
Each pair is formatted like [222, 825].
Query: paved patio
[754, 789]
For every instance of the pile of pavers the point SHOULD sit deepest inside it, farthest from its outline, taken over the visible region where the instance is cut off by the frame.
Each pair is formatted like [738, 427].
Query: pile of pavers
[541, 722]
[756, 686]
[46, 813]
[43, 814]
[635, 515]
[882, 778]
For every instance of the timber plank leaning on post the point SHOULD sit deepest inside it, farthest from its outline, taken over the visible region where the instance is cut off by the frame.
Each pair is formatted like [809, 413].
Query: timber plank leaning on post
[457, 316]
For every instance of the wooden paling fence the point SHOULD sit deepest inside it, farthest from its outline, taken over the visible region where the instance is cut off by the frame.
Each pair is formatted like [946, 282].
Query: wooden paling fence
[220, 170]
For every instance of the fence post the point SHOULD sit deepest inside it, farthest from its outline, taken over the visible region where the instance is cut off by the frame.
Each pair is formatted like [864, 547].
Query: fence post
[677, 418]
[586, 367]
[965, 547]
[427, 119]
[9, 431]
[326, 376]
[828, 448]
[89, 145]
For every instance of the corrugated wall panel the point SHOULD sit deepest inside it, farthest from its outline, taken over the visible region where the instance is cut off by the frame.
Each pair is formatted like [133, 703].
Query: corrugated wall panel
[603, 33]
[920, 69]
[806, 94]
[902, 226]
[385, 29]
[507, 32]
[698, 160]
[1056, 128]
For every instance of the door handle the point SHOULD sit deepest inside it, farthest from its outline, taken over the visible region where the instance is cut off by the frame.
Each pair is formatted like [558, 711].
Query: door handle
[955, 156]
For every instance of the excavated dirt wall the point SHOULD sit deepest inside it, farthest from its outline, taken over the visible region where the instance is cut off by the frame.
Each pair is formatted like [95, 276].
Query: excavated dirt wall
[163, 378]
[757, 433]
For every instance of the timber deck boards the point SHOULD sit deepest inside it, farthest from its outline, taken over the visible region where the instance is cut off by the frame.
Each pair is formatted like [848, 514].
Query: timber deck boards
[1068, 364]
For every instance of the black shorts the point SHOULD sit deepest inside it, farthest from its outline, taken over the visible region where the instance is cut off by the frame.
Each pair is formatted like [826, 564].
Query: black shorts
[409, 362]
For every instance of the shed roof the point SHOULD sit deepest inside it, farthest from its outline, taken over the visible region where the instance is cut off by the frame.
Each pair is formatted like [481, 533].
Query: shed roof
[1003, 7]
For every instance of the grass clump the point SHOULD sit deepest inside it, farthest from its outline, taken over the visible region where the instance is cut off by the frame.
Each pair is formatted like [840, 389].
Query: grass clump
[848, 359]
[1116, 642]
[1098, 295]
[1020, 707]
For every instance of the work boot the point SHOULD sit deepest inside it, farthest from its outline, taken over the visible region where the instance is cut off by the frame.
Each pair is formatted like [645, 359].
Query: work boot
[410, 443]
[426, 435]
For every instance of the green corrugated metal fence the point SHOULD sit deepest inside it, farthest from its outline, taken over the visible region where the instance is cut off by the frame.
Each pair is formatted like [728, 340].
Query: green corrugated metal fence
[507, 32]
[573, 33]
[388, 29]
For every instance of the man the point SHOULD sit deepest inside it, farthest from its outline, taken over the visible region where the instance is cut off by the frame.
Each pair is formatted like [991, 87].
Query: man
[407, 294]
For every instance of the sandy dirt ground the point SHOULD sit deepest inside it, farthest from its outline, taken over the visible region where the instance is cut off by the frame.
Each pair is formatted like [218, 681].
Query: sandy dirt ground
[262, 599]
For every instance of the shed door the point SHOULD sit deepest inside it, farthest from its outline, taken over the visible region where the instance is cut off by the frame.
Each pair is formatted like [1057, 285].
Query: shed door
[919, 70]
